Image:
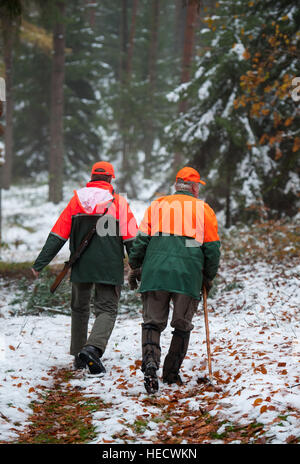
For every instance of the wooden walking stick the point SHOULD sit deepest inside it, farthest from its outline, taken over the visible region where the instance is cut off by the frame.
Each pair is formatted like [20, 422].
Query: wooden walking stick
[207, 380]
[204, 292]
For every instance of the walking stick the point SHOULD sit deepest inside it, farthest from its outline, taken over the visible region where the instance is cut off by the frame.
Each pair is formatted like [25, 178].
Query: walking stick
[204, 291]
[207, 380]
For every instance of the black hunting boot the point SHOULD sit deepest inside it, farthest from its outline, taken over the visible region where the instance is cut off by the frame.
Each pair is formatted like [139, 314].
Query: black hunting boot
[78, 364]
[176, 354]
[90, 355]
[151, 356]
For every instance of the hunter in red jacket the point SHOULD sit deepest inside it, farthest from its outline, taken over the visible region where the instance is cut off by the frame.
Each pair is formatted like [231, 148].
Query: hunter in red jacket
[101, 265]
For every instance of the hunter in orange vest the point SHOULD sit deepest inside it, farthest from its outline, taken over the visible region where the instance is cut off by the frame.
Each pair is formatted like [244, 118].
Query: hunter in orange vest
[177, 251]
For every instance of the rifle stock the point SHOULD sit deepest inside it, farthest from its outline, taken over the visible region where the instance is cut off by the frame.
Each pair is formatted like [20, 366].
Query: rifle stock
[60, 277]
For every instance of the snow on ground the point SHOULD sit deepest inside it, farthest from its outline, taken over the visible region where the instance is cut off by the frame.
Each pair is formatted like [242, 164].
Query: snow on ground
[254, 329]
[255, 350]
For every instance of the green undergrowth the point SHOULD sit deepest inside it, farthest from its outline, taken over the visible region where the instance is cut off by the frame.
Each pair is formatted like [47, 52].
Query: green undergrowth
[33, 296]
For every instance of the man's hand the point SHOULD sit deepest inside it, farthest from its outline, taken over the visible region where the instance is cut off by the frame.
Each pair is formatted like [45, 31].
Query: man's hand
[207, 284]
[35, 273]
[133, 278]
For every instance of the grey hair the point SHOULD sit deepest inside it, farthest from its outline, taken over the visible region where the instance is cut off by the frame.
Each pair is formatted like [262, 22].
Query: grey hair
[184, 185]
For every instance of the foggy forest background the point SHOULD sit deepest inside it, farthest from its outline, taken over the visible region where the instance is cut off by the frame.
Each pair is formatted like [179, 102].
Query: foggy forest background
[152, 86]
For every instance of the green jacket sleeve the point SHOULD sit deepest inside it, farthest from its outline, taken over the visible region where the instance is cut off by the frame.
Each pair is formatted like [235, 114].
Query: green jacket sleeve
[138, 250]
[52, 246]
[211, 251]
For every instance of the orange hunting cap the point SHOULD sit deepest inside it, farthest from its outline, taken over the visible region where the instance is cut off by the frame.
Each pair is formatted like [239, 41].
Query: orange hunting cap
[103, 167]
[189, 175]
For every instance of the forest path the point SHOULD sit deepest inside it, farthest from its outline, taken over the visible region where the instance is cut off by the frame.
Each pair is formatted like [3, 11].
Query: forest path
[254, 327]
[62, 414]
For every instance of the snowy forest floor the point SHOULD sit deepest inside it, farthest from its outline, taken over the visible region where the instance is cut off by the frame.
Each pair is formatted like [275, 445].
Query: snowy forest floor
[254, 327]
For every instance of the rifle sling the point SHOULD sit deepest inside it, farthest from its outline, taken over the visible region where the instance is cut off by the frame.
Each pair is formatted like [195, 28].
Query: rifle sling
[78, 252]
[86, 240]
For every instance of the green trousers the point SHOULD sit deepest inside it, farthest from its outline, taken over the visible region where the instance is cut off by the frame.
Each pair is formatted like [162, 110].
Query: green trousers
[106, 300]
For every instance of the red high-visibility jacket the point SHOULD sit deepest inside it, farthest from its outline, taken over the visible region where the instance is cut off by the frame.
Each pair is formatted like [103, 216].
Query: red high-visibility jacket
[102, 261]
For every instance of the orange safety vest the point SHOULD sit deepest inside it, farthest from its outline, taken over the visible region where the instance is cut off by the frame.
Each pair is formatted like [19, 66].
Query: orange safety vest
[182, 215]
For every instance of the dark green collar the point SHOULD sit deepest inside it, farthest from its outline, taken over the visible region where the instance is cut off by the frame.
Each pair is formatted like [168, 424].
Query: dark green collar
[181, 192]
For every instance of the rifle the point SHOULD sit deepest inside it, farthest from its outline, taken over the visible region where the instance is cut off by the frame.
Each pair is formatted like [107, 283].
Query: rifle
[78, 252]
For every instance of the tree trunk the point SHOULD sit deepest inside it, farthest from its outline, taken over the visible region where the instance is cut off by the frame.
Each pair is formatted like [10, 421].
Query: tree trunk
[127, 48]
[57, 108]
[131, 39]
[180, 18]
[8, 39]
[91, 12]
[1, 160]
[153, 42]
[149, 135]
[124, 40]
[228, 206]
[188, 47]
[123, 69]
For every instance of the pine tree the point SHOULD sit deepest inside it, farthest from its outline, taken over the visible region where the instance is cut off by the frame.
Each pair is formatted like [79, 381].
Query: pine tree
[140, 110]
[84, 115]
[101, 109]
[272, 52]
[87, 75]
[223, 129]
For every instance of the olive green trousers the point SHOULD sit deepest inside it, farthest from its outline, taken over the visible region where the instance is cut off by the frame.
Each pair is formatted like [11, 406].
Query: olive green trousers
[106, 301]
